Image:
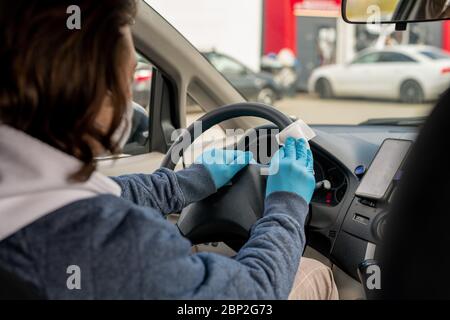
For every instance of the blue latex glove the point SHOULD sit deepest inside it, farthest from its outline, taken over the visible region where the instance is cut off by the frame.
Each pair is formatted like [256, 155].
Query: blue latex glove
[292, 170]
[224, 164]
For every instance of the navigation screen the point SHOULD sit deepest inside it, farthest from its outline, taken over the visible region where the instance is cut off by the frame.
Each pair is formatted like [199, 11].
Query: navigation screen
[384, 169]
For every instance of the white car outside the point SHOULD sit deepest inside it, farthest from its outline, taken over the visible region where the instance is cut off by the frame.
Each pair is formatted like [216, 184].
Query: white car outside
[412, 74]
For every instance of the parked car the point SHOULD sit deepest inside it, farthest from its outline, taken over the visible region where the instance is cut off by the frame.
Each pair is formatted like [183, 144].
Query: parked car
[259, 87]
[142, 82]
[416, 74]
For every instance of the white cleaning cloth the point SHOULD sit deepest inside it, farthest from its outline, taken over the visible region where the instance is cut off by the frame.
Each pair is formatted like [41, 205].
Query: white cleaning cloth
[297, 130]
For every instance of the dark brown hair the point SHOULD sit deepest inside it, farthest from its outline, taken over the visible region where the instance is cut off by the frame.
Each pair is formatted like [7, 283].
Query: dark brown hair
[53, 79]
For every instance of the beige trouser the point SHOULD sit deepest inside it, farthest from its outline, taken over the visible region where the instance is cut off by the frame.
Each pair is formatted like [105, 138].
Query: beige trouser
[314, 281]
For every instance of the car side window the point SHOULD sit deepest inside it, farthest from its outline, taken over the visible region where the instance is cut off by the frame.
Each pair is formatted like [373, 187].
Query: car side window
[367, 58]
[226, 65]
[395, 57]
[434, 55]
[138, 143]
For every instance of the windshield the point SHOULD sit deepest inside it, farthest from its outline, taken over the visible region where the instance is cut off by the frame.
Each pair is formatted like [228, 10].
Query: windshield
[302, 58]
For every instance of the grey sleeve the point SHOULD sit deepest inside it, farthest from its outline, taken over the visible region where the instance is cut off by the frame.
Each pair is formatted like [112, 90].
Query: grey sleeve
[166, 190]
[128, 252]
[163, 267]
[266, 266]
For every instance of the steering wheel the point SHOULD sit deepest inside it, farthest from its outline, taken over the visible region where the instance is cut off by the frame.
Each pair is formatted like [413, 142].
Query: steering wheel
[218, 218]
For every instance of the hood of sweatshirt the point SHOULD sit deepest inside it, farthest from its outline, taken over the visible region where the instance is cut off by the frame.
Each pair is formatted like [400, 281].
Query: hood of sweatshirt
[34, 181]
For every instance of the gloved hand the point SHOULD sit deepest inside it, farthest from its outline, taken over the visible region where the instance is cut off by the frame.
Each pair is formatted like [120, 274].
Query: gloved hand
[224, 164]
[292, 170]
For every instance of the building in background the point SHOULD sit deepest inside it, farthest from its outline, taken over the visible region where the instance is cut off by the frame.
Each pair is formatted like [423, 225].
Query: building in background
[231, 27]
[314, 30]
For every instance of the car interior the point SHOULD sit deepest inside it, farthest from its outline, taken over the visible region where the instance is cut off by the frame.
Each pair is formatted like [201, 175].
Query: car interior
[343, 229]
[359, 166]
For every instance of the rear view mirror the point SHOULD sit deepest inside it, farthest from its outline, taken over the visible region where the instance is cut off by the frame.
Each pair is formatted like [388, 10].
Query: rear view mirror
[394, 11]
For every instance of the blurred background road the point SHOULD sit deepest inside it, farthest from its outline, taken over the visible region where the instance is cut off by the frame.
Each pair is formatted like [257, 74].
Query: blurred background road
[339, 111]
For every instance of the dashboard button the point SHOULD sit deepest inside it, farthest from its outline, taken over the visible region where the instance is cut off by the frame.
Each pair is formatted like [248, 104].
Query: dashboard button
[361, 219]
[360, 171]
[368, 203]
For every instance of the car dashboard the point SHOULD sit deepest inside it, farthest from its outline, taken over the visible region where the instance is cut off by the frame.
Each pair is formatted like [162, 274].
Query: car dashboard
[341, 225]
[333, 190]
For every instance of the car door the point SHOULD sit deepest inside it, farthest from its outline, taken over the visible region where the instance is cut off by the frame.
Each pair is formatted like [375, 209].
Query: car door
[357, 78]
[392, 69]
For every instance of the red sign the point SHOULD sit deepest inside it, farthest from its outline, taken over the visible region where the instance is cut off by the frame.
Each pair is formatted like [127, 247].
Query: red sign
[322, 5]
